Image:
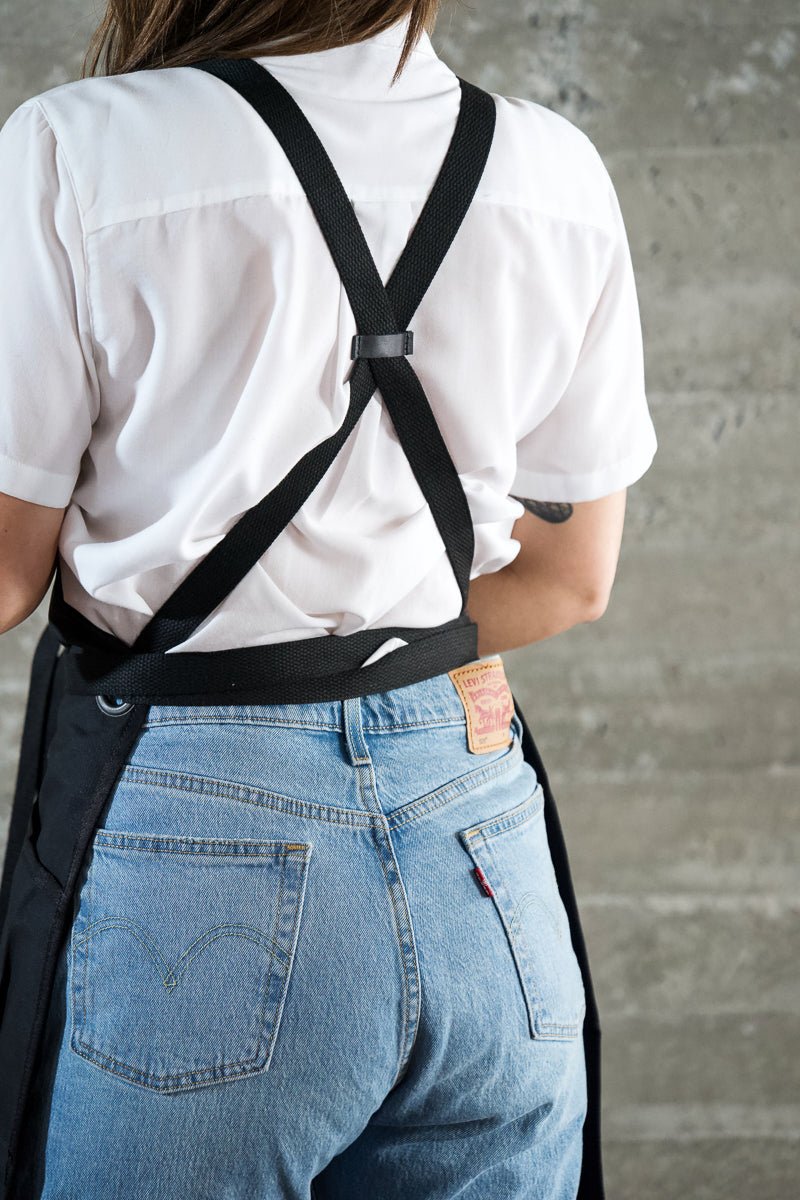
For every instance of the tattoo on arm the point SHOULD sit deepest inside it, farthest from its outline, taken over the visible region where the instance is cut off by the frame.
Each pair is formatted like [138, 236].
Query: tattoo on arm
[548, 510]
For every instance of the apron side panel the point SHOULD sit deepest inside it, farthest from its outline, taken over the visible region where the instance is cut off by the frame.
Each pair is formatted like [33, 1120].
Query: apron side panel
[591, 1185]
[35, 738]
[88, 751]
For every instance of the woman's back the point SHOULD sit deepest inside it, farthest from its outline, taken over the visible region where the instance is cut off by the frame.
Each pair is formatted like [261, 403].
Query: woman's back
[262, 879]
[212, 338]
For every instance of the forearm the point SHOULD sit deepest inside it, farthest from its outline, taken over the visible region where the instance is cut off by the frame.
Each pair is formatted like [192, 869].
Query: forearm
[511, 611]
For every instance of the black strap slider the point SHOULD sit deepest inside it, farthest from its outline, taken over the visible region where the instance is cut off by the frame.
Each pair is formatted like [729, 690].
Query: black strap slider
[382, 345]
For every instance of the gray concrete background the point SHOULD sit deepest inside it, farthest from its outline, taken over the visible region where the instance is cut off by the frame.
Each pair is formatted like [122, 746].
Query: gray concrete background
[670, 728]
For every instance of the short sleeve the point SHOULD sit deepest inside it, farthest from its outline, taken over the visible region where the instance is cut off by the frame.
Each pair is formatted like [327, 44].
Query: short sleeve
[49, 387]
[599, 437]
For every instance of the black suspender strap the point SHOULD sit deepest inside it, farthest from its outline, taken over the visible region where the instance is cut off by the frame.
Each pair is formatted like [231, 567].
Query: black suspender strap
[384, 314]
[378, 310]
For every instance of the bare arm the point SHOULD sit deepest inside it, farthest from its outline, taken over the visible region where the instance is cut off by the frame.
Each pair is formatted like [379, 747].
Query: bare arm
[29, 536]
[561, 577]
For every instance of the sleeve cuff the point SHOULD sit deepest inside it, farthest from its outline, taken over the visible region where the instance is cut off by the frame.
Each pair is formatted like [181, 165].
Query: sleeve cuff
[534, 485]
[34, 484]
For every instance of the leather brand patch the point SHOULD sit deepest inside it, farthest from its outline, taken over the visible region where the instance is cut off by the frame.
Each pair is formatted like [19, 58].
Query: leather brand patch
[488, 703]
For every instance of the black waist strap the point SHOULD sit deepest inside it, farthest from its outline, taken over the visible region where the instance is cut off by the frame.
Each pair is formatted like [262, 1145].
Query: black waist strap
[301, 671]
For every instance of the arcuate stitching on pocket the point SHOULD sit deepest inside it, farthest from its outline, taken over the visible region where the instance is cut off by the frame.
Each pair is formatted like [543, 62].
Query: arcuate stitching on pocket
[563, 1028]
[124, 923]
[479, 841]
[168, 977]
[288, 904]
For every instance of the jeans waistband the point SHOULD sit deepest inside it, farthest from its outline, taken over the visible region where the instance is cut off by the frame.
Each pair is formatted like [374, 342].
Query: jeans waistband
[433, 701]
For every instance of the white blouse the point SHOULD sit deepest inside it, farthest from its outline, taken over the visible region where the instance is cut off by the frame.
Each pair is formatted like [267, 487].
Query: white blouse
[174, 336]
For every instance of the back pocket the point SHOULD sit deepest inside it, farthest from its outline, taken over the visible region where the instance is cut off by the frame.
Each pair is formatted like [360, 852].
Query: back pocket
[512, 853]
[181, 953]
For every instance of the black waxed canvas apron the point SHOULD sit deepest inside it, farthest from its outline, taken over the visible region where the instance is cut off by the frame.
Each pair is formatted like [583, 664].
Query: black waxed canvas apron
[90, 693]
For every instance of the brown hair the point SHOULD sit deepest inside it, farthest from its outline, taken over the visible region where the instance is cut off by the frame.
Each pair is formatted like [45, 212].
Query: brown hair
[138, 34]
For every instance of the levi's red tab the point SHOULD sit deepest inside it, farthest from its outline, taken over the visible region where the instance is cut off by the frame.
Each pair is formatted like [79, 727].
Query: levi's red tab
[488, 703]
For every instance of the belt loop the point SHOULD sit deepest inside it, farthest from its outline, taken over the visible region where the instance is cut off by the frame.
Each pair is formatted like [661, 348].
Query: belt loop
[353, 730]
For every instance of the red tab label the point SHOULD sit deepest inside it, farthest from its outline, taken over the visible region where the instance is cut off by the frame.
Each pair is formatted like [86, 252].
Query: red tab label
[488, 703]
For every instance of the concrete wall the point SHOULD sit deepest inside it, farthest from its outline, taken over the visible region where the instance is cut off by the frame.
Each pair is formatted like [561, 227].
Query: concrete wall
[670, 728]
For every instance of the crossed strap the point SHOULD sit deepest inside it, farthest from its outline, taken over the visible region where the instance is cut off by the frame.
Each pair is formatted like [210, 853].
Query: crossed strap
[380, 312]
[380, 352]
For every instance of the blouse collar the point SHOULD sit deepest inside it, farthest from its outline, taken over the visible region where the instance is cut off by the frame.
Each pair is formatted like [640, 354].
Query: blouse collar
[361, 69]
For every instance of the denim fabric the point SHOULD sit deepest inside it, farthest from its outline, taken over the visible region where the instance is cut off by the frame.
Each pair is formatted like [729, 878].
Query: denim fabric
[285, 978]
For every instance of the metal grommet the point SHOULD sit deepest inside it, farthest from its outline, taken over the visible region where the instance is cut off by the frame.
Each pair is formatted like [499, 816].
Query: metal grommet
[113, 705]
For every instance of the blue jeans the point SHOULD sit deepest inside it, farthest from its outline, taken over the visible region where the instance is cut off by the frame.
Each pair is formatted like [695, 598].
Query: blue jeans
[286, 979]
